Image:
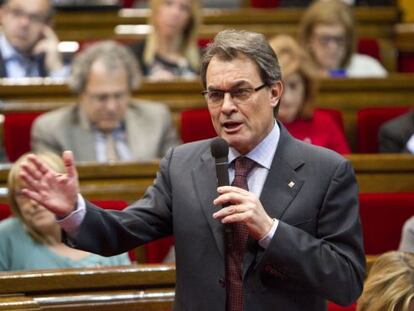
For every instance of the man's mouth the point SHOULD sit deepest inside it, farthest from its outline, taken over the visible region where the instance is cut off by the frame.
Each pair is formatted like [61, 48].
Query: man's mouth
[232, 126]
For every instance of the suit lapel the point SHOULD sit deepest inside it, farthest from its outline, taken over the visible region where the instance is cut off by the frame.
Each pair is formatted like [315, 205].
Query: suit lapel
[280, 188]
[205, 181]
[282, 183]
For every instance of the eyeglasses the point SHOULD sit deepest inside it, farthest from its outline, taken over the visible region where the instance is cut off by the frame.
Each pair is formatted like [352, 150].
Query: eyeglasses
[325, 40]
[33, 18]
[239, 95]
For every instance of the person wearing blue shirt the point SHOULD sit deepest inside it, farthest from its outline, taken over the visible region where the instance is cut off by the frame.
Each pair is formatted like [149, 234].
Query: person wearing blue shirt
[32, 238]
[28, 45]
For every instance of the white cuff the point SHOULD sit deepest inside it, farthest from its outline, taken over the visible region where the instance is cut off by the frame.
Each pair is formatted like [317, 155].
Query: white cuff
[265, 241]
[71, 223]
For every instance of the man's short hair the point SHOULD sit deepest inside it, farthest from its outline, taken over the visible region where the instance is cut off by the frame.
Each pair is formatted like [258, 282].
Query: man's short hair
[230, 44]
[49, 14]
[113, 55]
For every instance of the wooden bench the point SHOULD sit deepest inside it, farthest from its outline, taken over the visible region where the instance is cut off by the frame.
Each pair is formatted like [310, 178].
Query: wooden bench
[345, 95]
[135, 287]
[127, 181]
[374, 22]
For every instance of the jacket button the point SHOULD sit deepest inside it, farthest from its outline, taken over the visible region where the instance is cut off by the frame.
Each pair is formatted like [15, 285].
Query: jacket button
[222, 282]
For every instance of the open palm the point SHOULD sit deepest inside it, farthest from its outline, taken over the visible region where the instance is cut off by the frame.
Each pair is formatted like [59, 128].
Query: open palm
[57, 192]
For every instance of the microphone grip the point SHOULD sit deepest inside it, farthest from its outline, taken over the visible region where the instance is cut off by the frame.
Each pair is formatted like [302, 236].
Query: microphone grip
[222, 172]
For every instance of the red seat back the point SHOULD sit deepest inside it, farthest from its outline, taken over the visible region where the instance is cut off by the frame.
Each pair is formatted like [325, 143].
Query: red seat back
[156, 251]
[116, 205]
[264, 3]
[17, 129]
[369, 46]
[335, 307]
[369, 120]
[4, 211]
[383, 216]
[196, 124]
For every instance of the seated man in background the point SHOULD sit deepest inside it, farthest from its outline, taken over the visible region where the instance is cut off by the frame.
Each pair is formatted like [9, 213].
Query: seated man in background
[397, 135]
[28, 45]
[106, 125]
[32, 239]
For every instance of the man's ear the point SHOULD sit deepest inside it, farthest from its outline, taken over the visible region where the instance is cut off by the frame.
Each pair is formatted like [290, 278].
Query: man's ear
[276, 93]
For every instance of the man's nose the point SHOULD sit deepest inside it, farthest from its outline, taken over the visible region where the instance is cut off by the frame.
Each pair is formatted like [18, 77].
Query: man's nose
[228, 104]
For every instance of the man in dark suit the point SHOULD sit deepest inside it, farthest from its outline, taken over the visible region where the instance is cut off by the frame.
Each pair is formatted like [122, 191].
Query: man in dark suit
[300, 214]
[397, 135]
[28, 44]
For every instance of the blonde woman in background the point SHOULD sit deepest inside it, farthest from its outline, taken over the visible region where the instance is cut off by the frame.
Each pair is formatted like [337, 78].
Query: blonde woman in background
[296, 109]
[327, 33]
[390, 284]
[170, 50]
[32, 239]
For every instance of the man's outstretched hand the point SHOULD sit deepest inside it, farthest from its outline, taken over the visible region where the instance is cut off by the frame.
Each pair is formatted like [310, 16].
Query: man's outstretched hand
[55, 191]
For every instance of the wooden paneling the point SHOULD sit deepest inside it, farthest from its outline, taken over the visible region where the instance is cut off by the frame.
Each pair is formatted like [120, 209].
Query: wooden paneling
[346, 95]
[128, 181]
[135, 287]
[371, 22]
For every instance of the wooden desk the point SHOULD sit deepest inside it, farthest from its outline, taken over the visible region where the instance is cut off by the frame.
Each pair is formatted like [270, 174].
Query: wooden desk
[345, 95]
[371, 22]
[135, 287]
[128, 181]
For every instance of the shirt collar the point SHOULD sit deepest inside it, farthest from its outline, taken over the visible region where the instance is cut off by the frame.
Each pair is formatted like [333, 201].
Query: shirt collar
[264, 152]
[7, 50]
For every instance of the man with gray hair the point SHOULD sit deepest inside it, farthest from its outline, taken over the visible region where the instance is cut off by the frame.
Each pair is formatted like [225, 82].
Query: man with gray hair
[285, 235]
[28, 44]
[106, 125]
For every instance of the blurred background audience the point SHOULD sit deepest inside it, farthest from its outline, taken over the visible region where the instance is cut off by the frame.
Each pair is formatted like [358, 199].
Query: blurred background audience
[397, 135]
[296, 109]
[106, 125]
[327, 33]
[170, 50]
[32, 239]
[28, 44]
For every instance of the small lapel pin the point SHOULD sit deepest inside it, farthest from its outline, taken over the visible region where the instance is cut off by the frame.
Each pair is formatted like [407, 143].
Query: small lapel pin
[291, 184]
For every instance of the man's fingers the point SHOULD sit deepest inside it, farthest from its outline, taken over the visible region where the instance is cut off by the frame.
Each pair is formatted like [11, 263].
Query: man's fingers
[69, 162]
[34, 195]
[31, 182]
[37, 166]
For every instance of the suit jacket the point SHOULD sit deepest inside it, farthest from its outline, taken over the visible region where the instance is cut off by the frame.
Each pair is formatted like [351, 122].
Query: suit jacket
[40, 60]
[394, 134]
[149, 131]
[315, 254]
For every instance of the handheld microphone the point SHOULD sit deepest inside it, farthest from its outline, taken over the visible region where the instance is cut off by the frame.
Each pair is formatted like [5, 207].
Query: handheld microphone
[220, 151]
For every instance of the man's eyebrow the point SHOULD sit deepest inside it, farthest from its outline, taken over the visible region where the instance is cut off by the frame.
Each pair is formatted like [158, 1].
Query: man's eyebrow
[236, 84]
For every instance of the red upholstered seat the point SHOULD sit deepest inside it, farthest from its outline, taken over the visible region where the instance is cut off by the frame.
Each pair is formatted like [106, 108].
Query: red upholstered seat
[264, 3]
[334, 307]
[156, 251]
[195, 125]
[406, 62]
[382, 217]
[369, 46]
[4, 211]
[115, 205]
[369, 120]
[17, 128]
